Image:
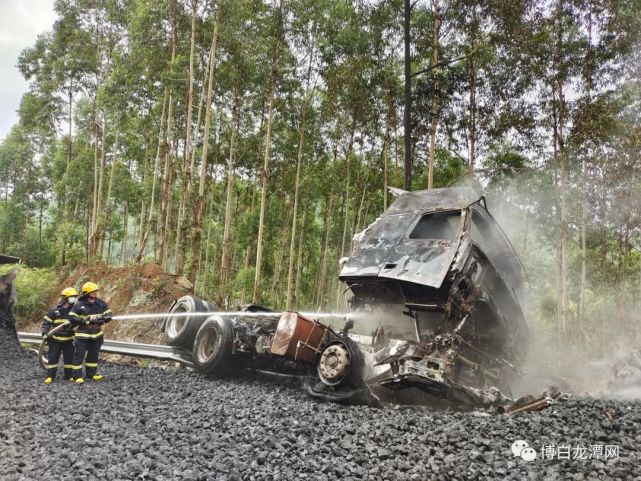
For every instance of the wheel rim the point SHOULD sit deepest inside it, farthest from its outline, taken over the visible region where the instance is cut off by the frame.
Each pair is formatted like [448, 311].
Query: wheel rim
[334, 364]
[207, 345]
[176, 325]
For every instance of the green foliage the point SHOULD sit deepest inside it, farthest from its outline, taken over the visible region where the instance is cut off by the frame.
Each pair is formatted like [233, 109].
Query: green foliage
[33, 287]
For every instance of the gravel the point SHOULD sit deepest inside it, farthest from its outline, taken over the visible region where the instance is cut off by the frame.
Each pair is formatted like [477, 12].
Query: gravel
[163, 425]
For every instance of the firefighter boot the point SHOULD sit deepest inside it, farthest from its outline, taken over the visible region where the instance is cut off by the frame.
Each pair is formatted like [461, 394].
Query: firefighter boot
[79, 380]
[97, 377]
[49, 380]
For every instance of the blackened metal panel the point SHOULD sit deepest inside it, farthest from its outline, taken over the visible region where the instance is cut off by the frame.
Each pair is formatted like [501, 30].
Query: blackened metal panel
[448, 198]
[377, 243]
[385, 249]
[420, 261]
[5, 259]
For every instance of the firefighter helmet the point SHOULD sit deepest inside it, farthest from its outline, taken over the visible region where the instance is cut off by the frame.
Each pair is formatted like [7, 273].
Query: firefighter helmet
[69, 292]
[89, 287]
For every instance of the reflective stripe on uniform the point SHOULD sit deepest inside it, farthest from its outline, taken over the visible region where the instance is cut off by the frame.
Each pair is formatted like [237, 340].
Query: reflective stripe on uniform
[46, 318]
[62, 338]
[60, 321]
[69, 366]
[75, 368]
[51, 366]
[84, 335]
[91, 364]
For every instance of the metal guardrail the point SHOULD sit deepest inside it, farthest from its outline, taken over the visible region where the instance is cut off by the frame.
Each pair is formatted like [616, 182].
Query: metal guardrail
[151, 351]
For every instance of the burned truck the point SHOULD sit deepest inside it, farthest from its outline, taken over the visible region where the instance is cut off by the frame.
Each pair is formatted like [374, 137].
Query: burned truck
[435, 313]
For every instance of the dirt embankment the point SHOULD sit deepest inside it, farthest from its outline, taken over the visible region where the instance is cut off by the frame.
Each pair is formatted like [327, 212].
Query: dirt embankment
[127, 290]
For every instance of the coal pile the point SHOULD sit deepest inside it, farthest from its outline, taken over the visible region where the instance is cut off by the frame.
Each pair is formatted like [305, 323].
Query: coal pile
[164, 425]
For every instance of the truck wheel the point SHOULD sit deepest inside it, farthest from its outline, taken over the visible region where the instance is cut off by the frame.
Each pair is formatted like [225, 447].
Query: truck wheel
[340, 363]
[182, 330]
[213, 346]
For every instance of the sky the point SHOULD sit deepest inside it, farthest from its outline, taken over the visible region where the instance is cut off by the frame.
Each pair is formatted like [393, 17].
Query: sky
[20, 24]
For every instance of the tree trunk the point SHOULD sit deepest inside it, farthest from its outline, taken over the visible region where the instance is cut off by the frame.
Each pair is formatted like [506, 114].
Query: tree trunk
[345, 205]
[584, 194]
[562, 241]
[164, 196]
[299, 262]
[95, 235]
[163, 231]
[181, 244]
[200, 203]
[472, 74]
[123, 253]
[407, 113]
[435, 100]
[299, 162]
[225, 264]
[147, 227]
[265, 173]
[139, 228]
[109, 202]
[96, 173]
[69, 151]
[278, 267]
[329, 214]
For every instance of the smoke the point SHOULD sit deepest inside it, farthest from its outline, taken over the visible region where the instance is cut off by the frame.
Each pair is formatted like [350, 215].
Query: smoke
[585, 355]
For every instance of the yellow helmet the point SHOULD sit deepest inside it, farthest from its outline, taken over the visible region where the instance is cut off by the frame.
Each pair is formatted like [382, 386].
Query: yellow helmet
[68, 292]
[89, 287]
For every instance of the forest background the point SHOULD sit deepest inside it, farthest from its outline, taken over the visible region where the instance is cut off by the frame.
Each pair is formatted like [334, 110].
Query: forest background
[242, 143]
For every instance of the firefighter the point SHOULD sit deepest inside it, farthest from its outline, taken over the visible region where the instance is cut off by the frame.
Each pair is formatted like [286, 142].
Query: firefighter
[89, 314]
[62, 340]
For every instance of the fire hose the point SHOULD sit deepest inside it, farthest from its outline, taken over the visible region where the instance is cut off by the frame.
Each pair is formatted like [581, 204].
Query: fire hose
[41, 349]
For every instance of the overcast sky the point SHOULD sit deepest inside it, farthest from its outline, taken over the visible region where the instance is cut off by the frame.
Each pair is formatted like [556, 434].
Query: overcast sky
[21, 21]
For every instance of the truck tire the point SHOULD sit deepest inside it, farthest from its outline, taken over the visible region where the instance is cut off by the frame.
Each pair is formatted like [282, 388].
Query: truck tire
[181, 331]
[341, 363]
[213, 344]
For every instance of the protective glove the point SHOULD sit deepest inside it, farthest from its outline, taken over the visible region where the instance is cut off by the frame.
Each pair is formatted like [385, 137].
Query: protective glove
[107, 317]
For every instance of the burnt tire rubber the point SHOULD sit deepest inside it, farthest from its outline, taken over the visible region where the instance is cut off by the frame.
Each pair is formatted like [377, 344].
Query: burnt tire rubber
[212, 351]
[181, 331]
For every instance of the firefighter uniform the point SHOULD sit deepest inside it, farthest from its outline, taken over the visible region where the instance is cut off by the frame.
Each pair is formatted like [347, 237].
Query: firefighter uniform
[59, 343]
[88, 315]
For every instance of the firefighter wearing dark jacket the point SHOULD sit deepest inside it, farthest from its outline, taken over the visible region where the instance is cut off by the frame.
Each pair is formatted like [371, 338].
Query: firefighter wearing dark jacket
[61, 342]
[88, 316]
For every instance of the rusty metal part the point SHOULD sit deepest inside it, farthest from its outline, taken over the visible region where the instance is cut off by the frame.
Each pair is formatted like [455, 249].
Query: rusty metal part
[298, 337]
[334, 364]
[536, 405]
[477, 367]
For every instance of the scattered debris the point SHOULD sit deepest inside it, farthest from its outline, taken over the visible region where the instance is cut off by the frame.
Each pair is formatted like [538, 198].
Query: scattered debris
[626, 376]
[530, 404]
